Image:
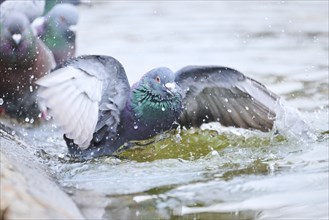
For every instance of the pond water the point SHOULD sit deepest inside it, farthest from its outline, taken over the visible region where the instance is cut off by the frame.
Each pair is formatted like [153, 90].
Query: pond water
[213, 172]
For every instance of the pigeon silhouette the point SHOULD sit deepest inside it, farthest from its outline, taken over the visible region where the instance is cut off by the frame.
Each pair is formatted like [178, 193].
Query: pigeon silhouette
[90, 98]
[57, 30]
[23, 59]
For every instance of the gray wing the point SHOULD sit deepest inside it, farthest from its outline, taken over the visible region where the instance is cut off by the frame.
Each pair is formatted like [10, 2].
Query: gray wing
[85, 96]
[214, 93]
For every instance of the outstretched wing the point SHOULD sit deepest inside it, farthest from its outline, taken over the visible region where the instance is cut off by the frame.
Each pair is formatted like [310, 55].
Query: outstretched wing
[85, 97]
[214, 93]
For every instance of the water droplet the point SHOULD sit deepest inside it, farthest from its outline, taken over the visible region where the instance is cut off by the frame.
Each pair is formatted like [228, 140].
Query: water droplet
[214, 153]
[226, 100]
[247, 108]
[270, 117]
[163, 109]
[1, 101]
[13, 133]
[135, 127]
[27, 119]
[229, 110]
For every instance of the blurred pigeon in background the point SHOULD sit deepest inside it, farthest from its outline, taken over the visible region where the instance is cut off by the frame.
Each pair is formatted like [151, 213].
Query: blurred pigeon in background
[31, 8]
[57, 30]
[23, 59]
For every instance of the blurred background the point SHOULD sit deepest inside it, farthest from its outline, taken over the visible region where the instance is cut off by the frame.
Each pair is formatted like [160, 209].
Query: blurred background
[256, 37]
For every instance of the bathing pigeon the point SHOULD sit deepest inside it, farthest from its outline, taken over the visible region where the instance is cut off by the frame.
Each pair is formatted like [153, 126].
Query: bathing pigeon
[57, 30]
[31, 8]
[90, 98]
[23, 59]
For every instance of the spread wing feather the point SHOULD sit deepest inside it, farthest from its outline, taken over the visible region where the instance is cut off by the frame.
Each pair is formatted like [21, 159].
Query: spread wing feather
[213, 93]
[83, 92]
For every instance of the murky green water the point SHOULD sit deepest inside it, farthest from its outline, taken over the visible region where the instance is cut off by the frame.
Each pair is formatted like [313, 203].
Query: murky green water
[216, 173]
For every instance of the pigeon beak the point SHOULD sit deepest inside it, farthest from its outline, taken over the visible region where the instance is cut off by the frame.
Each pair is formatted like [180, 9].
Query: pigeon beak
[73, 28]
[170, 87]
[17, 38]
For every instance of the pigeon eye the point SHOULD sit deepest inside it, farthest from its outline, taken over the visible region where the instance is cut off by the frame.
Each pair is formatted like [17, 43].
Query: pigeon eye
[63, 19]
[157, 79]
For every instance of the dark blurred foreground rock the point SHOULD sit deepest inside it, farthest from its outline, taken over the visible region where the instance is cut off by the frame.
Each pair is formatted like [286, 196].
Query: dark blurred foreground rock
[27, 191]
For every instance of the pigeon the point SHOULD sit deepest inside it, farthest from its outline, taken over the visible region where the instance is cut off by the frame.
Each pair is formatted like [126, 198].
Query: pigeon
[57, 30]
[31, 8]
[23, 59]
[91, 99]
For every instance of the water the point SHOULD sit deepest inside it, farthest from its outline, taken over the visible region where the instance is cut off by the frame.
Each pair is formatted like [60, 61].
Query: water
[224, 172]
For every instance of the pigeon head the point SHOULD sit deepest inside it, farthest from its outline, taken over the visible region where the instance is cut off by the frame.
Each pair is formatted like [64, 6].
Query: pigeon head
[17, 38]
[156, 99]
[160, 83]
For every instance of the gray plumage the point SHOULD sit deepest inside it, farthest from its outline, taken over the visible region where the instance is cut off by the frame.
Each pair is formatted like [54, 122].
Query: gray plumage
[23, 59]
[225, 95]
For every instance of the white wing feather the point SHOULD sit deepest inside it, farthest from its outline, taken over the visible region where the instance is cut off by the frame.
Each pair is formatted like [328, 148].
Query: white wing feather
[72, 97]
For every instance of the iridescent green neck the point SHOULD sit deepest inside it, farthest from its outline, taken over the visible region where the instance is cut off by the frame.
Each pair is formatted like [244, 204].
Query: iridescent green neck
[149, 107]
[54, 38]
